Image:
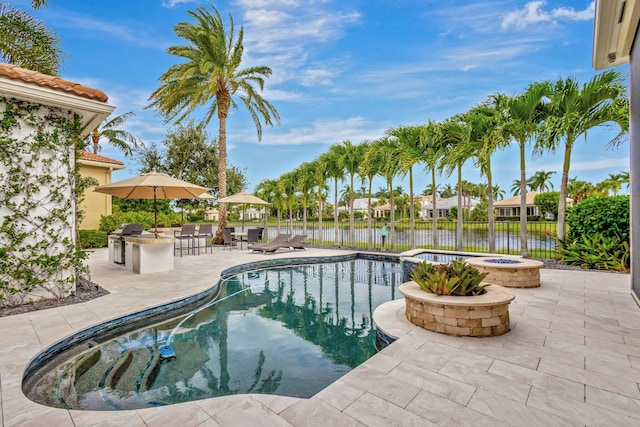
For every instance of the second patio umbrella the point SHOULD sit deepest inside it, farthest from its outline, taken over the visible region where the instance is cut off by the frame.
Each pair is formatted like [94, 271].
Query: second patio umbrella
[152, 185]
[244, 199]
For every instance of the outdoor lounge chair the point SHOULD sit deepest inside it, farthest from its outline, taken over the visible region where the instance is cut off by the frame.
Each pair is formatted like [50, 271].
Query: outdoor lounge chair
[280, 239]
[294, 243]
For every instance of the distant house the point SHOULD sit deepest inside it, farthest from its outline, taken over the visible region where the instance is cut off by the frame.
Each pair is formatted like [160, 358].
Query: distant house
[424, 201]
[211, 214]
[381, 211]
[94, 204]
[252, 213]
[443, 206]
[359, 205]
[511, 206]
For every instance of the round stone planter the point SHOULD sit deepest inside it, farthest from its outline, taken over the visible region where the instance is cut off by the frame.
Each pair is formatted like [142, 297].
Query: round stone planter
[509, 272]
[484, 315]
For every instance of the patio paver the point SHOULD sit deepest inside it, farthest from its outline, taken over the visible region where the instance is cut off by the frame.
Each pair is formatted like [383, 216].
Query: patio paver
[572, 358]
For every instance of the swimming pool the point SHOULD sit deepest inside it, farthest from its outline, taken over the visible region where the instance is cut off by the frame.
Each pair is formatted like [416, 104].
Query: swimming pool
[288, 330]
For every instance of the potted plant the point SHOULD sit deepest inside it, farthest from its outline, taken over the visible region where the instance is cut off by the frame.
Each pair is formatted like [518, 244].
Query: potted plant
[452, 299]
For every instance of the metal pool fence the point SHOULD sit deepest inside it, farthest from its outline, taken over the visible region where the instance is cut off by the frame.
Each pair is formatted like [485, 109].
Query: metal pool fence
[541, 241]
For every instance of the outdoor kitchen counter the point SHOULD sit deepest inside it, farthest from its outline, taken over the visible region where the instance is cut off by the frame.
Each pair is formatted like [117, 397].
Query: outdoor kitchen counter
[148, 254]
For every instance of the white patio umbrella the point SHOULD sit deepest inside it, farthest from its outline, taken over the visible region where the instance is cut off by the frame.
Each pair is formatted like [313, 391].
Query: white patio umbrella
[152, 185]
[244, 199]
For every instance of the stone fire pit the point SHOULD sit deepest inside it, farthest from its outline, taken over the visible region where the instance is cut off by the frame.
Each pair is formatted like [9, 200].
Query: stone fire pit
[509, 272]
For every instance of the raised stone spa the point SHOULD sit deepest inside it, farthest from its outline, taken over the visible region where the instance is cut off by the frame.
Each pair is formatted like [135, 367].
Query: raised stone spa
[509, 272]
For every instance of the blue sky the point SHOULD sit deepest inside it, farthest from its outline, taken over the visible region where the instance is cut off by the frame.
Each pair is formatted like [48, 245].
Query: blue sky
[344, 70]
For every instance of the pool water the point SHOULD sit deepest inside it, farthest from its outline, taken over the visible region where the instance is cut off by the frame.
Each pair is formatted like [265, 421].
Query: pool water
[437, 257]
[289, 331]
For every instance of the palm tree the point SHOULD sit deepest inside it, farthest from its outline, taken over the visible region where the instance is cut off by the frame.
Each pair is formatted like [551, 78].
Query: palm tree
[433, 151]
[350, 158]
[574, 111]
[623, 177]
[579, 190]
[27, 42]
[331, 160]
[369, 168]
[455, 134]
[319, 174]
[269, 191]
[498, 193]
[211, 77]
[121, 139]
[306, 183]
[386, 151]
[541, 181]
[411, 152]
[523, 115]
[447, 191]
[486, 137]
[287, 183]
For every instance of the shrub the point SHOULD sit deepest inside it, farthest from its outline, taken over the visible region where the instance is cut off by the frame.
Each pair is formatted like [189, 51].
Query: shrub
[90, 239]
[547, 202]
[608, 216]
[597, 251]
[481, 211]
[108, 223]
[456, 278]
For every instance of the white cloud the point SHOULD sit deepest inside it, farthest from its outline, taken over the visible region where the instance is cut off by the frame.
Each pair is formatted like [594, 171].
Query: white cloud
[592, 165]
[533, 13]
[328, 132]
[172, 3]
[288, 34]
[134, 34]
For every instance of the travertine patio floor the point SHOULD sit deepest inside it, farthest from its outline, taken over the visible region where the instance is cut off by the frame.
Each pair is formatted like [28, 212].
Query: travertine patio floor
[572, 358]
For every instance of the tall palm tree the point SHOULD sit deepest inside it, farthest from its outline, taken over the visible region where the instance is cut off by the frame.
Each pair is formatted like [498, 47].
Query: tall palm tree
[331, 159]
[386, 151]
[27, 42]
[455, 134]
[411, 152]
[121, 139]
[212, 77]
[369, 168]
[269, 191]
[574, 110]
[523, 115]
[432, 149]
[541, 181]
[350, 158]
[305, 184]
[318, 173]
[287, 184]
[486, 137]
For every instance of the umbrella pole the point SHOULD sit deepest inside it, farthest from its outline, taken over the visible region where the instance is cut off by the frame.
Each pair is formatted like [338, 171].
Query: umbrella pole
[243, 217]
[155, 213]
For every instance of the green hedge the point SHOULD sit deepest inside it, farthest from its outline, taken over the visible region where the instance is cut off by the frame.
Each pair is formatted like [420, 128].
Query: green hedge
[92, 239]
[602, 214]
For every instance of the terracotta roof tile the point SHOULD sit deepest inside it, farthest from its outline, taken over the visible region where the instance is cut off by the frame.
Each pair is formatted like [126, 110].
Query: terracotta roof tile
[56, 83]
[86, 155]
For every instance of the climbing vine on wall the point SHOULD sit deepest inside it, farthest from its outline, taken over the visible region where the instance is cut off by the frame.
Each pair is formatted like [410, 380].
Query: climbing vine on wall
[37, 201]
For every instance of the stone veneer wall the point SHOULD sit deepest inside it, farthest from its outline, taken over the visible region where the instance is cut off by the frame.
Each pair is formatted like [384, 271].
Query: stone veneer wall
[480, 316]
[525, 274]
[512, 278]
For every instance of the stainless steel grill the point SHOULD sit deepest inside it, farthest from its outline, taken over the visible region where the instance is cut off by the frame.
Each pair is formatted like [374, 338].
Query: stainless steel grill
[117, 238]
